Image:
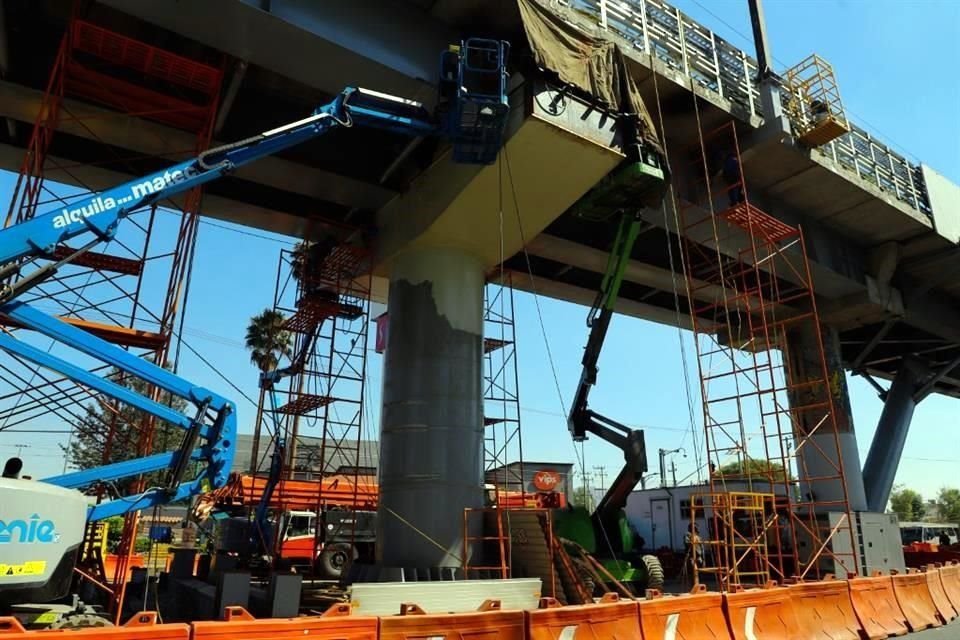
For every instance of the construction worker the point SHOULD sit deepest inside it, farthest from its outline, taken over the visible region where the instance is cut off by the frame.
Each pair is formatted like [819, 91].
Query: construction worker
[730, 172]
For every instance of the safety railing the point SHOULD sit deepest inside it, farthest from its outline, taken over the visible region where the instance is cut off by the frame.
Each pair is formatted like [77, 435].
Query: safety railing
[685, 46]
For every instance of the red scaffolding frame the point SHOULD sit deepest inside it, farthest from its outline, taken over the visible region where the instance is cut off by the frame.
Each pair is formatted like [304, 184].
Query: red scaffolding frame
[750, 287]
[100, 82]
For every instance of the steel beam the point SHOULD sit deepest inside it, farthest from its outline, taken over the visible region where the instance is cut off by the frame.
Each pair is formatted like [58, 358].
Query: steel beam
[880, 469]
[874, 341]
[928, 388]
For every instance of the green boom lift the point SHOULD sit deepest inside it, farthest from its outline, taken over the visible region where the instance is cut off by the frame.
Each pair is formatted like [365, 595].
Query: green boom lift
[605, 533]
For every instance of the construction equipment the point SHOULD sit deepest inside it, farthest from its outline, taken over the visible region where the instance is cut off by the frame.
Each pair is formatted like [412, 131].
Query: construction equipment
[42, 523]
[605, 532]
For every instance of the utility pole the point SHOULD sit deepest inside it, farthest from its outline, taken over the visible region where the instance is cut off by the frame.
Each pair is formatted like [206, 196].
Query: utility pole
[673, 471]
[602, 474]
[20, 448]
[663, 467]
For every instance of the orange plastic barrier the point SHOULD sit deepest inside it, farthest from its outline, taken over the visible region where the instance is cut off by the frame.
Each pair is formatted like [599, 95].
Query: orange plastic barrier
[826, 609]
[610, 618]
[950, 575]
[938, 595]
[142, 626]
[335, 624]
[913, 596]
[764, 614]
[876, 606]
[488, 623]
[697, 616]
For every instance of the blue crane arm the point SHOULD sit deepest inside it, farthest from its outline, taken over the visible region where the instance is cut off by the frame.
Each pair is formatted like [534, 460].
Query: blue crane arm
[213, 426]
[475, 120]
[100, 214]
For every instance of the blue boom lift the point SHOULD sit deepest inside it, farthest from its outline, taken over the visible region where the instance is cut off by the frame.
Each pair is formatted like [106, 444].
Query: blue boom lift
[42, 523]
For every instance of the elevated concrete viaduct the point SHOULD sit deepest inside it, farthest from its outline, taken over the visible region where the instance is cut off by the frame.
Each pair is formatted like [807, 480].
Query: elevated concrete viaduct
[882, 232]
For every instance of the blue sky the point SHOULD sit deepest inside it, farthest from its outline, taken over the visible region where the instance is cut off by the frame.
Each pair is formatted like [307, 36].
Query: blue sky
[895, 62]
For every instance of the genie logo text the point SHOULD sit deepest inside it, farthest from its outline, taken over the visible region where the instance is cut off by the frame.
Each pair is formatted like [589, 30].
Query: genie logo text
[36, 531]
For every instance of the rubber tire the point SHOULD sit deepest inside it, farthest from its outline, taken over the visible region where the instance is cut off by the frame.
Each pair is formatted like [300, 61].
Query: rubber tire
[654, 572]
[335, 558]
[81, 621]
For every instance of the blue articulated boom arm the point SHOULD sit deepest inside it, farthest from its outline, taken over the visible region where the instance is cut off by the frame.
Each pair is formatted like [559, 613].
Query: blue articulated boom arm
[210, 433]
[473, 83]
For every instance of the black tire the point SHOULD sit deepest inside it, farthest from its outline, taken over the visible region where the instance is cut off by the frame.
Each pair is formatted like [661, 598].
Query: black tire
[654, 572]
[335, 558]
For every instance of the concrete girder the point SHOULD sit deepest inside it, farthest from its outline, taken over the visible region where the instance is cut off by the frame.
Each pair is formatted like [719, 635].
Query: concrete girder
[590, 259]
[522, 281]
[153, 139]
[326, 45]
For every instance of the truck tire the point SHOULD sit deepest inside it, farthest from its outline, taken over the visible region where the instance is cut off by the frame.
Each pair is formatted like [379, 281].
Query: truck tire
[335, 558]
[654, 572]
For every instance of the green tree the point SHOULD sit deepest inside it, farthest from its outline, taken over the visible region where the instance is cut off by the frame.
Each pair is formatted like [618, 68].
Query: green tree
[753, 467]
[90, 445]
[582, 497]
[267, 340]
[907, 504]
[948, 504]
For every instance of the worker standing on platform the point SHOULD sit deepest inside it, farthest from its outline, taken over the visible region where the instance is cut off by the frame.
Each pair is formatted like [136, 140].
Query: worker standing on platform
[730, 171]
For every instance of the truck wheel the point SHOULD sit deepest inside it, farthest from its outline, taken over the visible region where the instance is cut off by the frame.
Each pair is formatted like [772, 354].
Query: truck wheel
[654, 572]
[335, 558]
[80, 621]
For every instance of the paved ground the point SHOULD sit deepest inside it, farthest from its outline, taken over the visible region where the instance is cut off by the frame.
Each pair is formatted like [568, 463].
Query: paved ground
[949, 632]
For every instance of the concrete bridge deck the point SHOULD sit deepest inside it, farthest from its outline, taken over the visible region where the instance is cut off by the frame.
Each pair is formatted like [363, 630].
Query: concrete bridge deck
[882, 231]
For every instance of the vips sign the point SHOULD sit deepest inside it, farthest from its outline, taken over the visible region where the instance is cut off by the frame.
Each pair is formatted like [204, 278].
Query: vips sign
[546, 480]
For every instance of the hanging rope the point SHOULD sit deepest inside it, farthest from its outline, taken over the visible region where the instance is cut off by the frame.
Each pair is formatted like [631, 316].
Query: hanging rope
[676, 295]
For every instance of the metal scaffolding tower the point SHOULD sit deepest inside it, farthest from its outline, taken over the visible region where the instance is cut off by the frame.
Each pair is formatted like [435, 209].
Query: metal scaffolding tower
[129, 292]
[777, 505]
[325, 301]
[503, 442]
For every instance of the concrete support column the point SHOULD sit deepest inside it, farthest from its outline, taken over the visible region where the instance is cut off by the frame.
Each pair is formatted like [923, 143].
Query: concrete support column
[431, 438]
[891, 435]
[817, 457]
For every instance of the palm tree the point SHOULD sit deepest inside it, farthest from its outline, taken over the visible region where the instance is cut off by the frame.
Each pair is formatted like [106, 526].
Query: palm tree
[267, 340]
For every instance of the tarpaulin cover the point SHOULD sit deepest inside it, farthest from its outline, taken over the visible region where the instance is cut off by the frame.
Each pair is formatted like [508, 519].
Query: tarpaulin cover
[594, 65]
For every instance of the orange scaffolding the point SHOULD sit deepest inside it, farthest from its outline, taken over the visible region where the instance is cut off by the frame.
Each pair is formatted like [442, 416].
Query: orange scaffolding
[771, 425]
[103, 87]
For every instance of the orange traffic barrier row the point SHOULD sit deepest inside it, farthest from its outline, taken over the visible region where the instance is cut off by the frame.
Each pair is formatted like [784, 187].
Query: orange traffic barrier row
[763, 614]
[824, 609]
[488, 622]
[938, 595]
[335, 624]
[142, 626]
[697, 616]
[610, 618]
[950, 574]
[913, 596]
[876, 607]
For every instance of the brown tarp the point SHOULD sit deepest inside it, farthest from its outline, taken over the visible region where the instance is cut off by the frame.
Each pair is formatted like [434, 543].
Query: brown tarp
[594, 65]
